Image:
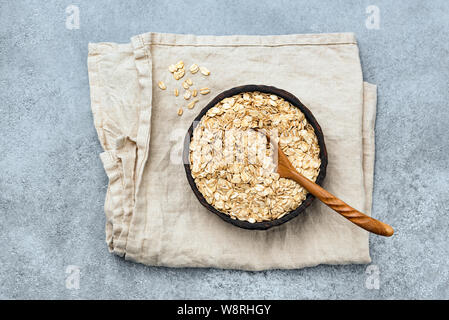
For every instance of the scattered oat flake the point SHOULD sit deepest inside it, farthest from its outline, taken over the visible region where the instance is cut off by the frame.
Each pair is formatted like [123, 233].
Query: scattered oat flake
[194, 68]
[204, 90]
[172, 68]
[187, 95]
[180, 64]
[179, 74]
[185, 85]
[162, 85]
[189, 81]
[176, 92]
[194, 92]
[180, 112]
[192, 104]
[204, 71]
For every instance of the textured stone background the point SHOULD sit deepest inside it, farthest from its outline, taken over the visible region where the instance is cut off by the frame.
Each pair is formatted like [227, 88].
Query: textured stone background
[52, 183]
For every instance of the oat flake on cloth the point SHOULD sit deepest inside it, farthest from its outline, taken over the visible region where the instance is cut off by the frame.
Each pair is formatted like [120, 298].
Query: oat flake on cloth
[152, 215]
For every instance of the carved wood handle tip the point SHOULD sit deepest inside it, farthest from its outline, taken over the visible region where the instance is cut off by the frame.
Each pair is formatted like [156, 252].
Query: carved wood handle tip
[353, 215]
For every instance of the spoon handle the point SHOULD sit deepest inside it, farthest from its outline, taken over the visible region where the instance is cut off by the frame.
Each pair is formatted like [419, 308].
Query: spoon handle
[356, 217]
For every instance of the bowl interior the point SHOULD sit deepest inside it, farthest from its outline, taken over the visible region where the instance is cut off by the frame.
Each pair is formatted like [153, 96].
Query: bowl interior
[310, 118]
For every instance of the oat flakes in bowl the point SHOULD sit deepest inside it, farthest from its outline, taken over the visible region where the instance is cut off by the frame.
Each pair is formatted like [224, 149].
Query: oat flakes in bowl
[231, 167]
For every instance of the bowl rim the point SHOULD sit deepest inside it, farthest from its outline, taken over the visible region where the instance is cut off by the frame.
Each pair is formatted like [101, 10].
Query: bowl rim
[310, 118]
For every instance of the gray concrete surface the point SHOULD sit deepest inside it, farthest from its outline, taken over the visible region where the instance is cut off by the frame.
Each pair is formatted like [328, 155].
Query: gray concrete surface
[52, 184]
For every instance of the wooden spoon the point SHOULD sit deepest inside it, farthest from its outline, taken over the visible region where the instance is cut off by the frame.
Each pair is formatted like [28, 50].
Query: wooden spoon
[286, 170]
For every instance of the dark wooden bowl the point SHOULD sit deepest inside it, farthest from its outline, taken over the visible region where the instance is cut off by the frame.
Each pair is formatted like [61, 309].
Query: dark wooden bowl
[310, 118]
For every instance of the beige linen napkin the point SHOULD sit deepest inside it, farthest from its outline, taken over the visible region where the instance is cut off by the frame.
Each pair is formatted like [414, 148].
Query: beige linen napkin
[153, 216]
